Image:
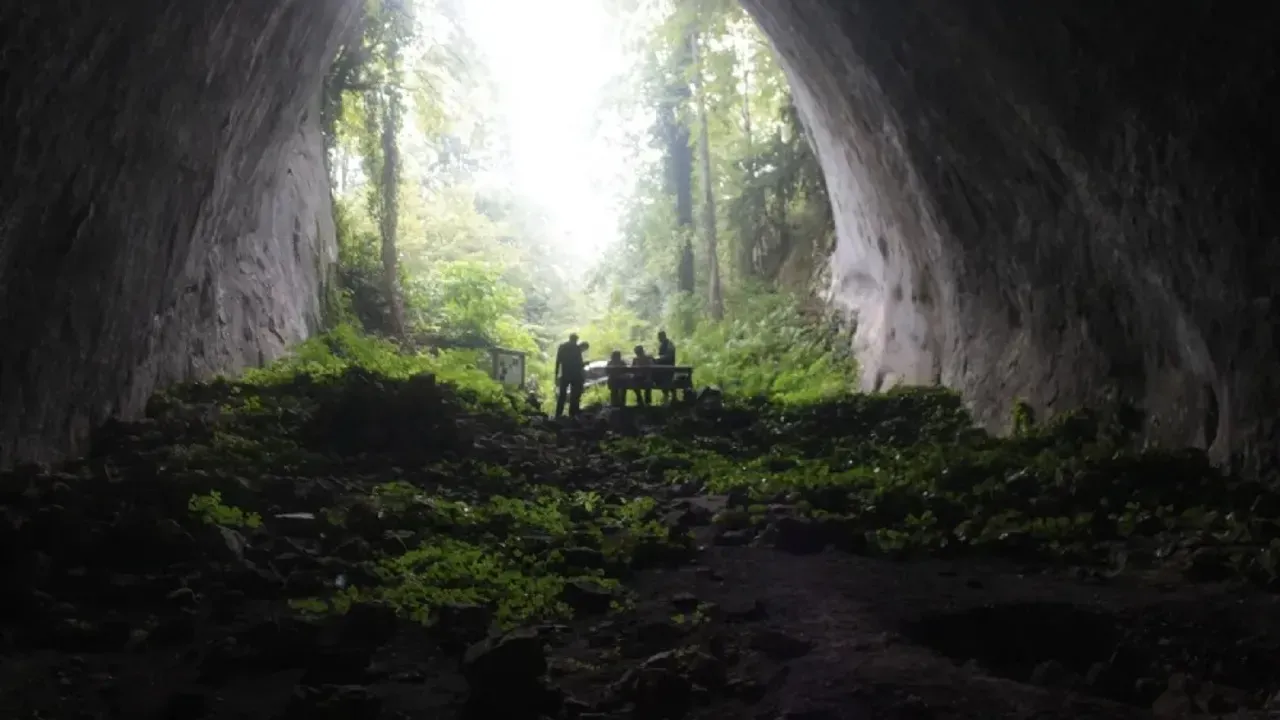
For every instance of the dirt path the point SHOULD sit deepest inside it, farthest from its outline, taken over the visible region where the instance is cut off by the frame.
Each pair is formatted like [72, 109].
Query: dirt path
[852, 610]
[832, 636]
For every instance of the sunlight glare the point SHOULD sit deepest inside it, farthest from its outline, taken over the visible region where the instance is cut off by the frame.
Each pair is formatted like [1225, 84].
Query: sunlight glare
[552, 62]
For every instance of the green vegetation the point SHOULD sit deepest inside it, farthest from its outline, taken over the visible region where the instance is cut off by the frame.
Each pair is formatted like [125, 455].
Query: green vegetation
[769, 346]
[344, 485]
[431, 253]
[434, 254]
[379, 471]
[331, 356]
[433, 489]
[906, 474]
[453, 493]
[435, 497]
[706, 78]
[423, 522]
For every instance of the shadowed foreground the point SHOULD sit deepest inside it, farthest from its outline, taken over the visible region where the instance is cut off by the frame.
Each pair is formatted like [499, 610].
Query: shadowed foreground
[361, 547]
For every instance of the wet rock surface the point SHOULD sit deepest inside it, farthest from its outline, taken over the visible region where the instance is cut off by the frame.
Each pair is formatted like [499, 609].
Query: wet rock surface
[234, 556]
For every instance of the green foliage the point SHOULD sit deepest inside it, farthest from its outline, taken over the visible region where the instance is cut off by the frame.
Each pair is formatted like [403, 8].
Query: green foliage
[448, 532]
[512, 517]
[211, 510]
[773, 221]
[470, 300]
[454, 533]
[475, 266]
[470, 553]
[906, 473]
[328, 357]
[618, 328]
[769, 347]
[1023, 418]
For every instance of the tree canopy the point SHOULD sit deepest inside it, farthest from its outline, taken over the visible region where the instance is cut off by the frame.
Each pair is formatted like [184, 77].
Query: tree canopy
[726, 203]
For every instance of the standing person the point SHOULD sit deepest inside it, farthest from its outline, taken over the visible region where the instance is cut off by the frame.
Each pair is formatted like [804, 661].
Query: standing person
[616, 370]
[569, 375]
[642, 381]
[666, 357]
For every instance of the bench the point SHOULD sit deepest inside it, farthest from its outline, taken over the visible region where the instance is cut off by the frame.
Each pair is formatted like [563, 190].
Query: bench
[674, 378]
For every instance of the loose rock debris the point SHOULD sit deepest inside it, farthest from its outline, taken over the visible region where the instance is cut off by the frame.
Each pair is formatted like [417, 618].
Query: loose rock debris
[367, 548]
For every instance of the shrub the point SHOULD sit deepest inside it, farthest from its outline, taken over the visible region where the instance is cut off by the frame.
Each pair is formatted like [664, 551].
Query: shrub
[768, 346]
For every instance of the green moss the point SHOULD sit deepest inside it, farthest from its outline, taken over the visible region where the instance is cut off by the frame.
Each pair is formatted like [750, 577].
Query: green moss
[507, 527]
[909, 472]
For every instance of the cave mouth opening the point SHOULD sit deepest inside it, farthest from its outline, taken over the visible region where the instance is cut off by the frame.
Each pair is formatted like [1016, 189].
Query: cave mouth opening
[1022, 198]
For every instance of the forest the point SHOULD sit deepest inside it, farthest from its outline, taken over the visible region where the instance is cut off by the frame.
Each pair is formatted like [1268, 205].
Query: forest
[375, 527]
[723, 226]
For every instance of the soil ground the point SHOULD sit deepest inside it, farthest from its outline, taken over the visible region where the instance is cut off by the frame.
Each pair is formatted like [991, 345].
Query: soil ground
[118, 606]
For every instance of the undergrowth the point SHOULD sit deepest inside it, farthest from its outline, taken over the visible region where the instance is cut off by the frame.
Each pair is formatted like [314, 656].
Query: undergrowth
[349, 473]
[906, 473]
[769, 347]
[327, 357]
[437, 524]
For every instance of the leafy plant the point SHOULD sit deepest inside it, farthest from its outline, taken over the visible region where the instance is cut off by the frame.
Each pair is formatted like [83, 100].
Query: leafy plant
[211, 510]
[769, 346]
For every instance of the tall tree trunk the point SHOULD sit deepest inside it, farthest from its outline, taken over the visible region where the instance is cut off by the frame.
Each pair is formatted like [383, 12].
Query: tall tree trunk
[680, 161]
[681, 157]
[389, 220]
[715, 301]
[747, 243]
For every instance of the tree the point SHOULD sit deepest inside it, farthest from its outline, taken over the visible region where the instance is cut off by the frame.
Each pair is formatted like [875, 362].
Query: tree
[679, 155]
[364, 115]
[715, 302]
[764, 212]
[387, 193]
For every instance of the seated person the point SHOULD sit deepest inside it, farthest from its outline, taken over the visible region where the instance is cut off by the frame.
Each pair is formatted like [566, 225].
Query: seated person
[641, 382]
[666, 357]
[616, 370]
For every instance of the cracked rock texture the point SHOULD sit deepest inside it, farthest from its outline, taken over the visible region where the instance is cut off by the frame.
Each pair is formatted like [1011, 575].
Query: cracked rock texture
[1057, 201]
[165, 210]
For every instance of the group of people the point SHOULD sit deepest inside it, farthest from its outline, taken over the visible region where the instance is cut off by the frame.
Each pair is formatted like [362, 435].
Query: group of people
[643, 373]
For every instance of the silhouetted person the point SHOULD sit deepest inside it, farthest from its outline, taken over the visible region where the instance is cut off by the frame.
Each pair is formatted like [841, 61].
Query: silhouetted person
[569, 375]
[583, 347]
[667, 357]
[641, 381]
[616, 371]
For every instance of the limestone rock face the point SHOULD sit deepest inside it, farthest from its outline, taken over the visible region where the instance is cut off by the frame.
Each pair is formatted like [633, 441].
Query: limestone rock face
[164, 209]
[1056, 201]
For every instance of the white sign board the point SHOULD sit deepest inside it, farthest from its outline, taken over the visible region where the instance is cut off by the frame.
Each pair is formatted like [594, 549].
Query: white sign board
[508, 366]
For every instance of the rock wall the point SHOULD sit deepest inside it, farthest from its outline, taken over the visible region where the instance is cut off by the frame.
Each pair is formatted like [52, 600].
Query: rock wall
[1055, 201]
[165, 212]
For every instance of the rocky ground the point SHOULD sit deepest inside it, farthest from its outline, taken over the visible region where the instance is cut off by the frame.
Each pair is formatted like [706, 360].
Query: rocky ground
[365, 548]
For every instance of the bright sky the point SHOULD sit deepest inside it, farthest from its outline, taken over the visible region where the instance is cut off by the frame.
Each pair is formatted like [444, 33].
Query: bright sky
[553, 61]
